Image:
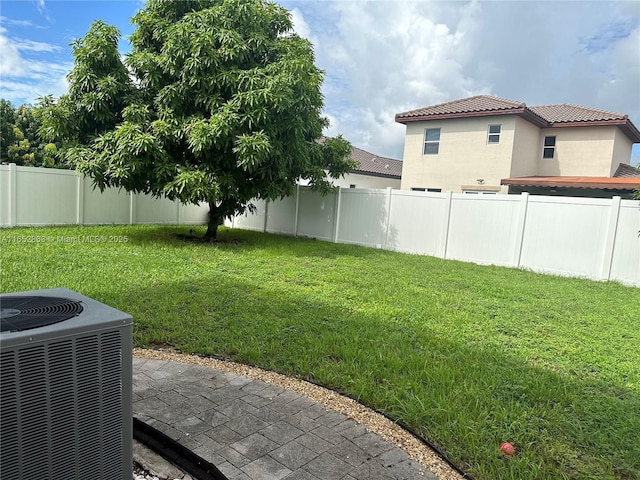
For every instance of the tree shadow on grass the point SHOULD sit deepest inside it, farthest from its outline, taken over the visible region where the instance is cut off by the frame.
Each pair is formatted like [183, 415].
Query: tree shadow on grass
[245, 240]
[465, 399]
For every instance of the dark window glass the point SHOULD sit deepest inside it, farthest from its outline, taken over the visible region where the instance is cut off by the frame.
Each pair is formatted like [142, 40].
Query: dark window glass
[433, 135]
[431, 141]
[431, 148]
[549, 147]
[494, 134]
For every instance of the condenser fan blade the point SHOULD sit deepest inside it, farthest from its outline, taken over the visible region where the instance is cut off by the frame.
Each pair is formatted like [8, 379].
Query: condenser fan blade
[25, 312]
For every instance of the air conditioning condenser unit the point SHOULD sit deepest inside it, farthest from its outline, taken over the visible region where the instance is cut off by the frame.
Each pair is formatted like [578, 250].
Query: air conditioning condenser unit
[65, 387]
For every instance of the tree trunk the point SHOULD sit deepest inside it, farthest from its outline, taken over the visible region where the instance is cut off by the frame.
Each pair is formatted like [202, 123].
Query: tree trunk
[215, 220]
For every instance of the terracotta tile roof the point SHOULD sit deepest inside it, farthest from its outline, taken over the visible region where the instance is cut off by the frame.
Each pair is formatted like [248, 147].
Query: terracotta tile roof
[479, 103]
[368, 163]
[627, 171]
[544, 116]
[611, 183]
[574, 113]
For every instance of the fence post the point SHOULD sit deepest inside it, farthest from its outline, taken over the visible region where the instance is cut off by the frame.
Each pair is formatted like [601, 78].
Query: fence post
[80, 199]
[131, 207]
[13, 194]
[385, 240]
[610, 241]
[521, 222]
[295, 220]
[266, 215]
[337, 216]
[444, 239]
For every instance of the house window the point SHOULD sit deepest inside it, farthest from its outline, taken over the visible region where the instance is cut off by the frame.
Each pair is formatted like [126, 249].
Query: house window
[549, 147]
[431, 141]
[494, 134]
[424, 189]
[480, 192]
[352, 185]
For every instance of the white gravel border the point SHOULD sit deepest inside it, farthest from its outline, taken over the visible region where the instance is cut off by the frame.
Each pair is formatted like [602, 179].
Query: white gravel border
[374, 422]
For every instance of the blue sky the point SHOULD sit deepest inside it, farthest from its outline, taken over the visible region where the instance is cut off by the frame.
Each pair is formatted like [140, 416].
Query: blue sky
[383, 57]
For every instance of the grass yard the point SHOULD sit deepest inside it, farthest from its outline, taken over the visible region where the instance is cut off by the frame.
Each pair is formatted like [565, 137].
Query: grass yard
[468, 356]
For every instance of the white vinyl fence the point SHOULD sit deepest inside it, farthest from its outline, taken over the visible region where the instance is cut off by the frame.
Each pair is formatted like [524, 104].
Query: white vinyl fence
[46, 196]
[581, 237]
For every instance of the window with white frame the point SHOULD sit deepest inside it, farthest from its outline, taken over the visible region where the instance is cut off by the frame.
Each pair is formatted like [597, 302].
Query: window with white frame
[494, 134]
[431, 141]
[549, 148]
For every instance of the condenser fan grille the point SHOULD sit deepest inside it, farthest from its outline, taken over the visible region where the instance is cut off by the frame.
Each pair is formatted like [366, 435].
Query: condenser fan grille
[25, 312]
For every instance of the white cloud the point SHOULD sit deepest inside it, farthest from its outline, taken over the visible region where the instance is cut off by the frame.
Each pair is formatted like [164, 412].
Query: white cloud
[31, 46]
[384, 57]
[26, 73]
[11, 63]
[299, 25]
[19, 23]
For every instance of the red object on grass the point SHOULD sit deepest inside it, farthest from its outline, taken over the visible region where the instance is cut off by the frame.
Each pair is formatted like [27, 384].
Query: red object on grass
[507, 449]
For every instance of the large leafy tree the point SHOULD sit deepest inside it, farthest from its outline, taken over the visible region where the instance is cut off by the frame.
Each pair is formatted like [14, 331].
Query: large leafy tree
[20, 141]
[100, 88]
[225, 107]
[7, 133]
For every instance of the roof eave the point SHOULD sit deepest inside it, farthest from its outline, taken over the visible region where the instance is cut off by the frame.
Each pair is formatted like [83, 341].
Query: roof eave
[571, 183]
[448, 116]
[627, 127]
[523, 112]
[377, 174]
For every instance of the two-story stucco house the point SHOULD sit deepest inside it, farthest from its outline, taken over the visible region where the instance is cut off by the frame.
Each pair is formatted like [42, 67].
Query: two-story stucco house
[474, 144]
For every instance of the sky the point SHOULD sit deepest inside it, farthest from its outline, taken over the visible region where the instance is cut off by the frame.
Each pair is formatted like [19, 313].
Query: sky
[383, 57]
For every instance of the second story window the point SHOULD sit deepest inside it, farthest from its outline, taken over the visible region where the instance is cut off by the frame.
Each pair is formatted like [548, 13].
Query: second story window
[549, 149]
[431, 141]
[494, 134]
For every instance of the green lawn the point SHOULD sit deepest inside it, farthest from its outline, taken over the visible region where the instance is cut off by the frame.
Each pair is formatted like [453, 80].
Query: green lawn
[468, 356]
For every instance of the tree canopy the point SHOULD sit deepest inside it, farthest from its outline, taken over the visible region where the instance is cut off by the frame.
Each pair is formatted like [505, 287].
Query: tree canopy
[219, 102]
[20, 140]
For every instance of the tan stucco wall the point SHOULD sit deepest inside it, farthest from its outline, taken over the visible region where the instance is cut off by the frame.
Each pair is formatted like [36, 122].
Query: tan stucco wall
[366, 181]
[580, 151]
[621, 150]
[526, 149]
[464, 155]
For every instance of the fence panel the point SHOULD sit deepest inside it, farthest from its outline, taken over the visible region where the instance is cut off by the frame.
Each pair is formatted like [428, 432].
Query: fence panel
[417, 222]
[46, 197]
[625, 264]
[566, 235]
[111, 206]
[252, 221]
[362, 217]
[482, 228]
[5, 194]
[149, 209]
[281, 216]
[193, 214]
[317, 215]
